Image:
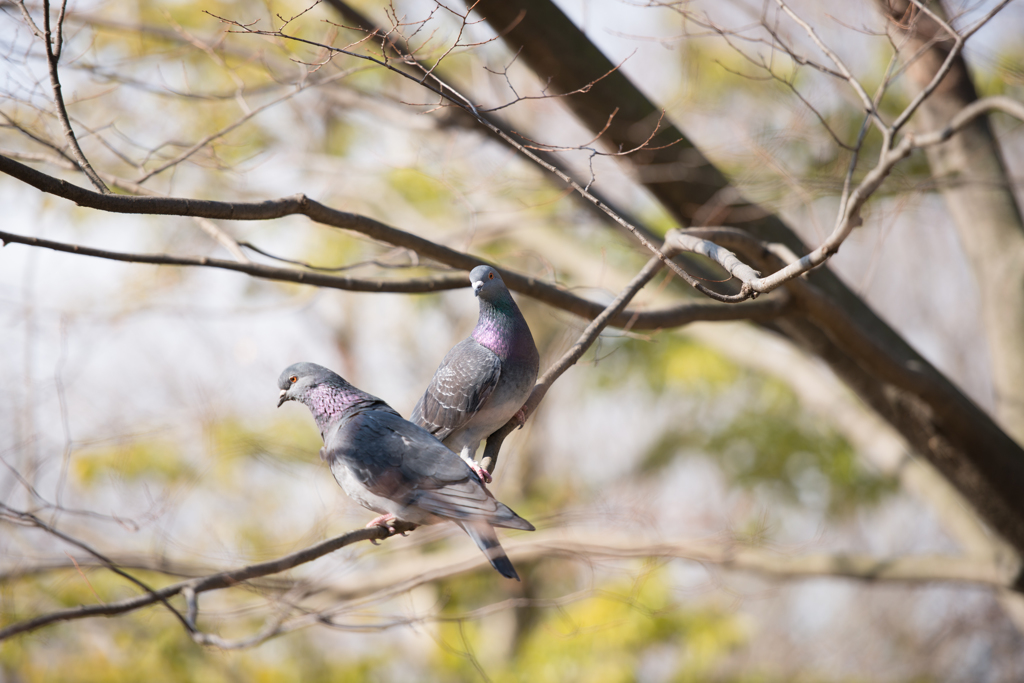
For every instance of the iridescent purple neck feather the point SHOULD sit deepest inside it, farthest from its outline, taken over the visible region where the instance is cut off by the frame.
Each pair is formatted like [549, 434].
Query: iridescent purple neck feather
[333, 400]
[502, 328]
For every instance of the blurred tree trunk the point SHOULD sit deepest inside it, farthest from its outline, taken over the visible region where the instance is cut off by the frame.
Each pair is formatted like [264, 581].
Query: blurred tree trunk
[971, 174]
[935, 417]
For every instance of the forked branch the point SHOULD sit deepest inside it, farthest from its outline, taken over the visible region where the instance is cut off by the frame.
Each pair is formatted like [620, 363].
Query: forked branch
[54, 43]
[673, 316]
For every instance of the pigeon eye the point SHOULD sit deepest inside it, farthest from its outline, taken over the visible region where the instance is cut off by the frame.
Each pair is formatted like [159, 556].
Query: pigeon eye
[293, 379]
[490, 276]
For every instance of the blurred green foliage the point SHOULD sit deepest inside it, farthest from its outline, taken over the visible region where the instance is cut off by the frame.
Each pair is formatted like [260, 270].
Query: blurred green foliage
[339, 137]
[669, 361]
[151, 647]
[601, 638]
[428, 194]
[1000, 75]
[775, 445]
[161, 459]
[157, 459]
[771, 443]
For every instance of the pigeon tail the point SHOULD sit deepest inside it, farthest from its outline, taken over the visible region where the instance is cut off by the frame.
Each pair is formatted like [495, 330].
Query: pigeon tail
[485, 538]
[507, 519]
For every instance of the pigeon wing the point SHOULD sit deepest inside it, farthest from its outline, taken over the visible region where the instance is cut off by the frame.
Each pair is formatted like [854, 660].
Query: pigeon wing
[445, 484]
[395, 459]
[362, 444]
[465, 379]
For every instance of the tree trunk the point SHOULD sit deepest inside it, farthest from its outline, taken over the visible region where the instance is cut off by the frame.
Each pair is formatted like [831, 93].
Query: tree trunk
[971, 174]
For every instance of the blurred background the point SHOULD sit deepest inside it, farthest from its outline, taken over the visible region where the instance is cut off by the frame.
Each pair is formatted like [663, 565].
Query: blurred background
[138, 411]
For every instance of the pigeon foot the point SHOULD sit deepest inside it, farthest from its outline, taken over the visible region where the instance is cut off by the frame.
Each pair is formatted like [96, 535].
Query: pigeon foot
[467, 456]
[383, 521]
[520, 417]
[484, 475]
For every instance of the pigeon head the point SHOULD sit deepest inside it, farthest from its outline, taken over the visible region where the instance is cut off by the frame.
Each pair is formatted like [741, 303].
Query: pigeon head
[297, 380]
[486, 283]
[327, 395]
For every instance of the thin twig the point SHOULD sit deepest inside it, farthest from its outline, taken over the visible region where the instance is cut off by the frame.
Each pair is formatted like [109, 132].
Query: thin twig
[442, 90]
[947, 64]
[223, 238]
[203, 142]
[570, 357]
[869, 105]
[52, 57]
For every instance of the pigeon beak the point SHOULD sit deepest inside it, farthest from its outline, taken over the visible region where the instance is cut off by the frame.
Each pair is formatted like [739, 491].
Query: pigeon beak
[477, 286]
[283, 396]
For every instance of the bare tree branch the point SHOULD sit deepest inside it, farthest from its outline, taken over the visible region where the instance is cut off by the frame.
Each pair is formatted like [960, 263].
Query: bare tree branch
[865, 99]
[954, 52]
[302, 205]
[223, 238]
[409, 286]
[850, 213]
[206, 583]
[448, 93]
[588, 547]
[367, 588]
[207, 139]
[967, 115]
[352, 16]
[29, 518]
[740, 557]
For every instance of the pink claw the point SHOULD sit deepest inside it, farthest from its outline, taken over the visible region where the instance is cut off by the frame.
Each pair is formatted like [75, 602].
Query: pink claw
[520, 418]
[381, 521]
[484, 475]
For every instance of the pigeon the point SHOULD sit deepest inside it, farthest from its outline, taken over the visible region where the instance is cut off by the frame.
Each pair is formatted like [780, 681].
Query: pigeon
[485, 379]
[393, 467]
